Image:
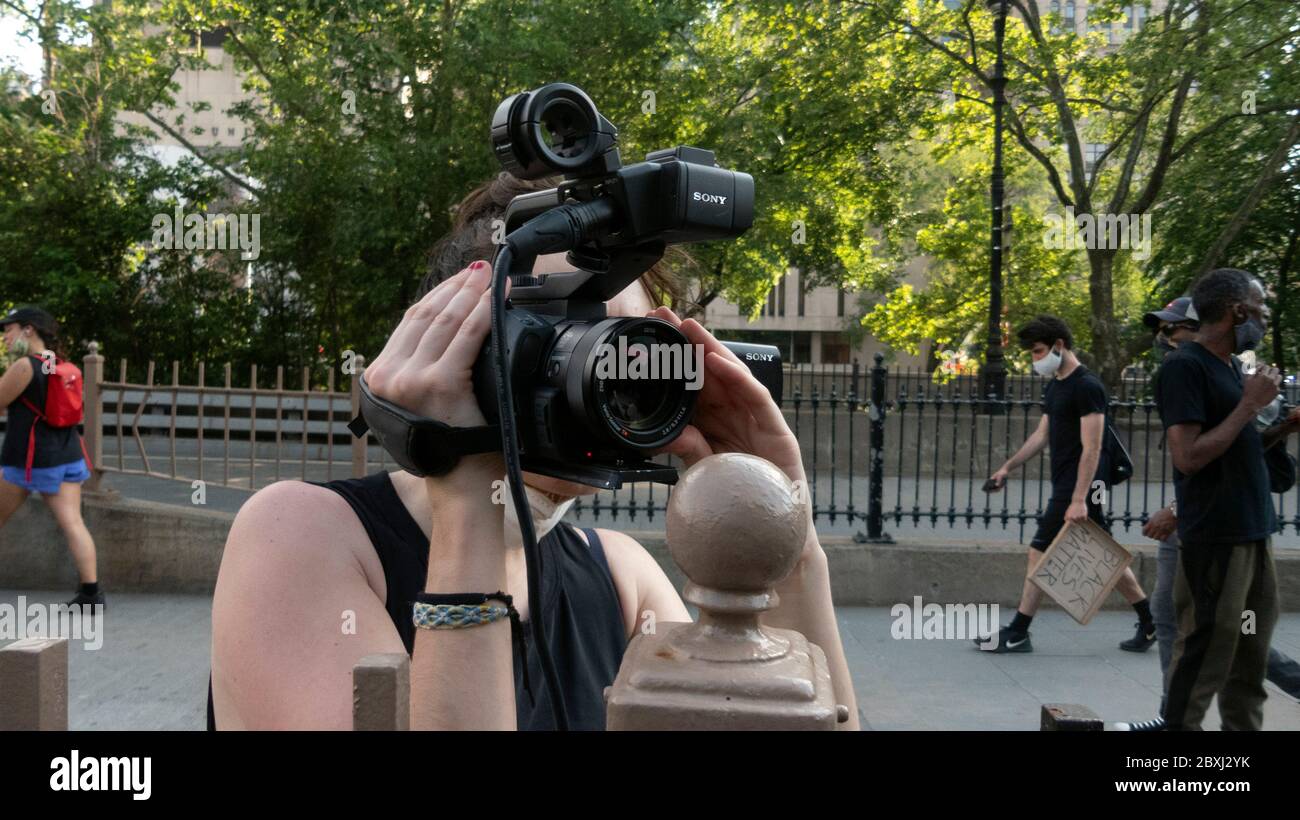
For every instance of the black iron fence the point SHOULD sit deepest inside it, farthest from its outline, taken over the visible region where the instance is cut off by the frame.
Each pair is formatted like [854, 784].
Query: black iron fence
[895, 451]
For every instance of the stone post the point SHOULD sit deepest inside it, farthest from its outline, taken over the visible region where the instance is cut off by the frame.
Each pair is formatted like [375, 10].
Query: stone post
[736, 526]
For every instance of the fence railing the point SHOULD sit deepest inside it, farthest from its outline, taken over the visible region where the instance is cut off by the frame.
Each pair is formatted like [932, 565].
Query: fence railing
[881, 447]
[223, 434]
[904, 449]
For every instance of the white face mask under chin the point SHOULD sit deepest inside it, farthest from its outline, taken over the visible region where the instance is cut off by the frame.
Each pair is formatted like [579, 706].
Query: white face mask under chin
[1048, 365]
[546, 514]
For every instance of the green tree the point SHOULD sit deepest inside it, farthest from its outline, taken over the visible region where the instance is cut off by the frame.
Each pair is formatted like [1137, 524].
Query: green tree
[1104, 122]
[81, 193]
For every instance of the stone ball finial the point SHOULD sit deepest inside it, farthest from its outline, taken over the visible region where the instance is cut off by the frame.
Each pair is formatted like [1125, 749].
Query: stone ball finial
[736, 523]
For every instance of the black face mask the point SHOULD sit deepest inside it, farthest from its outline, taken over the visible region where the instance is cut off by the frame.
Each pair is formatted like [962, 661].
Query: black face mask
[1162, 347]
[1248, 335]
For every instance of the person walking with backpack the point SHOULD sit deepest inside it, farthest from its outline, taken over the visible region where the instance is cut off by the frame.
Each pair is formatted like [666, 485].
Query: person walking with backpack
[42, 450]
[1074, 427]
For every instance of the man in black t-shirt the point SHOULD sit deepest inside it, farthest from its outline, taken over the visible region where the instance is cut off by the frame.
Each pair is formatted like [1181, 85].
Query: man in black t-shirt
[1225, 591]
[1073, 424]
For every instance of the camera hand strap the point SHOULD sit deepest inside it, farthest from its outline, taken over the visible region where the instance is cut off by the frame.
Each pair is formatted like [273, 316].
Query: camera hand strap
[420, 445]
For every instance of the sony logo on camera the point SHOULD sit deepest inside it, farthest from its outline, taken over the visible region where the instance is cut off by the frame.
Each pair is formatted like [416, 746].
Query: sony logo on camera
[761, 357]
[712, 198]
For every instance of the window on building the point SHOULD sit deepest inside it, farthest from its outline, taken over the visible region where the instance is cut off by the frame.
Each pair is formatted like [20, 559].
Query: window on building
[803, 293]
[1091, 153]
[802, 343]
[839, 306]
[1056, 17]
[230, 132]
[775, 304]
[835, 348]
[1070, 16]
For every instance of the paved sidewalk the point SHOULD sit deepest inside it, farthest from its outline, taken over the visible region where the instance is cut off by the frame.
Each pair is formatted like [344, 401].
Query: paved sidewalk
[151, 671]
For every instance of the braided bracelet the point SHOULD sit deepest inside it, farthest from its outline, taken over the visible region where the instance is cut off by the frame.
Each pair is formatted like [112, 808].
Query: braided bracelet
[460, 610]
[455, 616]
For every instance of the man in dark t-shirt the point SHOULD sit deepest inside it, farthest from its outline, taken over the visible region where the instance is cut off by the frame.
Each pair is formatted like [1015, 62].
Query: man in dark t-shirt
[1073, 424]
[1225, 591]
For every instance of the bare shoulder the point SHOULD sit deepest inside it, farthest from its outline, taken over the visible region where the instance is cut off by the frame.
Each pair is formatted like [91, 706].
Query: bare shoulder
[299, 596]
[290, 508]
[289, 522]
[641, 584]
[20, 372]
[15, 380]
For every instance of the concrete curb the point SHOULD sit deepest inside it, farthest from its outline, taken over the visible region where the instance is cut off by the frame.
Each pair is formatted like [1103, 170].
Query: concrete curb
[142, 546]
[149, 547]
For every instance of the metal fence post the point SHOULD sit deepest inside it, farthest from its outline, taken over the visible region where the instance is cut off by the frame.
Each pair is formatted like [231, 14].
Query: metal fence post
[876, 471]
[92, 402]
[358, 442]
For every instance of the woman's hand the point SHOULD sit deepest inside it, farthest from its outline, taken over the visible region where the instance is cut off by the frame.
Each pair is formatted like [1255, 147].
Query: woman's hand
[427, 363]
[735, 413]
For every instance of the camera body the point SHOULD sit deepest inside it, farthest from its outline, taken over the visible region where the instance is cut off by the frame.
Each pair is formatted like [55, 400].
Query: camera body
[595, 396]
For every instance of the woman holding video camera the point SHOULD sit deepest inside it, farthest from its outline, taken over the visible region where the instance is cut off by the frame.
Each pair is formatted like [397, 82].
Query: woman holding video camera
[314, 577]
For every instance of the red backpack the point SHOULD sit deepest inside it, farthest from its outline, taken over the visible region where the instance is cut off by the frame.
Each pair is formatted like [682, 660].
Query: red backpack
[63, 405]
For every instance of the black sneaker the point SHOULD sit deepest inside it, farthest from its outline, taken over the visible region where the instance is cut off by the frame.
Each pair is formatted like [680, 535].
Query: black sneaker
[1140, 642]
[83, 600]
[1153, 725]
[1007, 641]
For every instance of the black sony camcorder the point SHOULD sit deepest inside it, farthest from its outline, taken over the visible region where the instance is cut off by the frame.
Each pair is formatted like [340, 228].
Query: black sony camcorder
[593, 396]
[573, 423]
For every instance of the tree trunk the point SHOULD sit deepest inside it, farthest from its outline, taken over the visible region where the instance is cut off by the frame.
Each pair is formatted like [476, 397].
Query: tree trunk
[1283, 296]
[1106, 348]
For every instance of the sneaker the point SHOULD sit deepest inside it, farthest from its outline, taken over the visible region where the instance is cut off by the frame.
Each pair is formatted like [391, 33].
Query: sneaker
[1153, 725]
[1007, 641]
[83, 600]
[1140, 642]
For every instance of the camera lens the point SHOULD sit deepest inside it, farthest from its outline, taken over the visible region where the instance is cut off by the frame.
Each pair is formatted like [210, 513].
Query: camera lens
[641, 405]
[631, 381]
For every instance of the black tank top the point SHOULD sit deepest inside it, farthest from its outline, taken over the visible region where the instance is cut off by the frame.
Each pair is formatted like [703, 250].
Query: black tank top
[580, 607]
[54, 445]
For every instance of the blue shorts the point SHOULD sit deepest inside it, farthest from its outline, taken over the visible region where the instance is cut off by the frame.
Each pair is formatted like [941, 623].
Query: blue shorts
[46, 480]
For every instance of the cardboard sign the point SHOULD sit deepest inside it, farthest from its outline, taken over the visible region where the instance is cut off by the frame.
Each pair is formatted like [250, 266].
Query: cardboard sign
[1080, 568]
